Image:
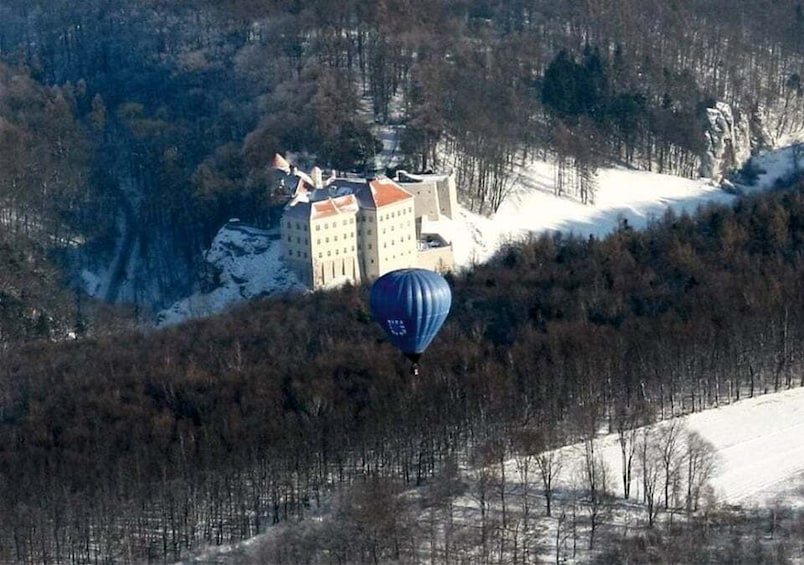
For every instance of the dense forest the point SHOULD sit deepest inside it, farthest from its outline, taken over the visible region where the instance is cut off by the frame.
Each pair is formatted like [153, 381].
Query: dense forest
[136, 129]
[142, 446]
[129, 132]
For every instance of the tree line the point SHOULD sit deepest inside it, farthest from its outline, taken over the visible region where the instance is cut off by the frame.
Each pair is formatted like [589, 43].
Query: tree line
[144, 445]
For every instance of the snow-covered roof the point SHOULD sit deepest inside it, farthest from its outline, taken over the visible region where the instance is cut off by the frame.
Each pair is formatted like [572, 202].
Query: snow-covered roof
[369, 193]
[333, 207]
[342, 195]
[312, 209]
[281, 164]
[404, 176]
[337, 187]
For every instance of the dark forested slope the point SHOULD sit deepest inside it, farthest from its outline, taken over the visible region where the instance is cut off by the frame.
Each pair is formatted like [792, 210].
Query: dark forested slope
[142, 446]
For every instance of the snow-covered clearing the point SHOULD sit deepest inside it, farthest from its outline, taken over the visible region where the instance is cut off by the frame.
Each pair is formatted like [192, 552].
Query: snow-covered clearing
[531, 208]
[622, 195]
[758, 442]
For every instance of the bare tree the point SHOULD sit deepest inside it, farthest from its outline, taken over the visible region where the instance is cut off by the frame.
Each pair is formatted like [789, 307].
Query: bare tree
[700, 459]
[527, 443]
[550, 464]
[798, 156]
[596, 486]
[650, 470]
[626, 422]
[439, 502]
[668, 440]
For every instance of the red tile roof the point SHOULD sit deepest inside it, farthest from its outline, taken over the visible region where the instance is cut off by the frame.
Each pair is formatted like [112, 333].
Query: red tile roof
[385, 191]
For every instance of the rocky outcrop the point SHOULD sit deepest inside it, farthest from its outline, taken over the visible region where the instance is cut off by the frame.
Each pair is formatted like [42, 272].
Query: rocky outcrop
[243, 263]
[728, 141]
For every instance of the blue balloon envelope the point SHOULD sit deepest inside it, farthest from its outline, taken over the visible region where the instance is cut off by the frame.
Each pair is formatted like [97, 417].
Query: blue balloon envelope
[411, 305]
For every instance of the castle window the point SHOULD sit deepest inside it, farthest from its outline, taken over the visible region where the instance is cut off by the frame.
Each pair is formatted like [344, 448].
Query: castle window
[320, 255]
[345, 222]
[318, 241]
[329, 253]
[298, 254]
[369, 246]
[289, 225]
[305, 255]
[336, 252]
[326, 239]
[290, 238]
[336, 238]
[290, 252]
[298, 227]
[318, 228]
[305, 227]
[368, 232]
[298, 240]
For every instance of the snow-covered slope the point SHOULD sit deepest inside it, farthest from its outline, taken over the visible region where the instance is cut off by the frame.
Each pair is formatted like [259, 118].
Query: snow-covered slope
[757, 443]
[249, 260]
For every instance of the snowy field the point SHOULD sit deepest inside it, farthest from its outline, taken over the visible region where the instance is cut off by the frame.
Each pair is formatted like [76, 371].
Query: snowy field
[758, 445]
[622, 194]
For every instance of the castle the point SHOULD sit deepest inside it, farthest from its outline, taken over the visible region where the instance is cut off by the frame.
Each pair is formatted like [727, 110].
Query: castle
[357, 229]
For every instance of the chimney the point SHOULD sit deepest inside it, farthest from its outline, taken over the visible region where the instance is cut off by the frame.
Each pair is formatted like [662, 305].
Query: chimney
[372, 169]
[317, 178]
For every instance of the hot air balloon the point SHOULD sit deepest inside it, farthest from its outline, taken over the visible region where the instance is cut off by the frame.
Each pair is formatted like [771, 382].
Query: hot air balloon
[411, 305]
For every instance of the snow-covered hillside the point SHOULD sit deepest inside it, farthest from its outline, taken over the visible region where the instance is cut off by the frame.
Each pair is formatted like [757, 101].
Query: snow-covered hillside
[758, 449]
[248, 260]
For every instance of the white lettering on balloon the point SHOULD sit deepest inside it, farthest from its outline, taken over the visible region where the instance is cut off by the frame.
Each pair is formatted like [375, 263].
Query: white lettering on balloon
[397, 327]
